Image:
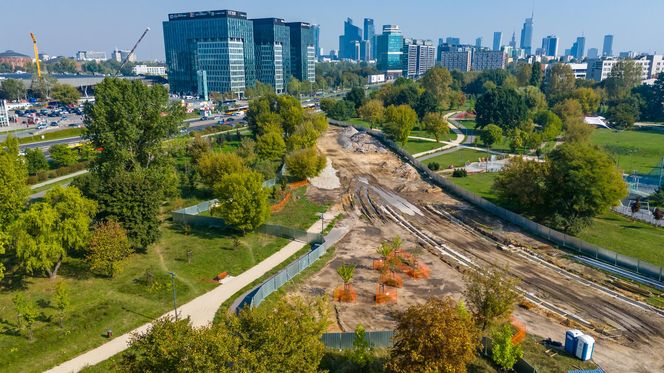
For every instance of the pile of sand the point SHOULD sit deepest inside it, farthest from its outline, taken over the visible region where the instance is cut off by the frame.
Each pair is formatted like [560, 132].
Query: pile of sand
[360, 142]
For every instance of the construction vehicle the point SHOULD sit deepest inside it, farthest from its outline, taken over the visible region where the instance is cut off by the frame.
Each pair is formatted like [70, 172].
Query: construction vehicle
[131, 52]
[34, 46]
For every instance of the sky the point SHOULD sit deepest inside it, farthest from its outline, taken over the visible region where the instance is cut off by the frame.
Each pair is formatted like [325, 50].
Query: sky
[65, 26]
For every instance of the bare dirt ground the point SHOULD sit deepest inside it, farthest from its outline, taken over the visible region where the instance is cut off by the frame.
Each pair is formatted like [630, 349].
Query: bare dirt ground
[383, 197]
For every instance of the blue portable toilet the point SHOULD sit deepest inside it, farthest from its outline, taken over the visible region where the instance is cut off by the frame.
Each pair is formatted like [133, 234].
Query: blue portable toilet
[571, 339]
[585, 347]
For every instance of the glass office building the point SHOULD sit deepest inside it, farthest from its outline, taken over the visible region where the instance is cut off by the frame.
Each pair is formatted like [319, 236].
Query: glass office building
[349, 41]
[219, 43]
[273, 52]
[389, 51]
[302, 51]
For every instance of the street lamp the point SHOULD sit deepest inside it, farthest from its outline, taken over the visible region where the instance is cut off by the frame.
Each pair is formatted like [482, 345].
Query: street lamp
[175, 308]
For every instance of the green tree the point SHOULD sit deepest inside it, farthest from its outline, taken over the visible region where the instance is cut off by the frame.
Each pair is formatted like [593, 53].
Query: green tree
[271, 145]
[426, 104]
[62, 155]
[400, 122]
[504, 107]
[578, 131]
[550, 124]
[436, 125]
[65, 94]
[537, 74]
[437, 336]
[652, 97]
[304, 136]
[346, 272]
[305, 163]
[534, 98]
[491, 296]
[373, 112]
[491, 134]
[356, 96]
[291, 112]
[521, 186]
[589, 99]
[13, 188]
[61, 301]
[624, 76]
[12, 89]
[341, 110]
[109, 249]
[523, 74]
[569, 110]
[437, 82]
[560, 82]
[26, 313]
[212, 166]
[242, 200]
[623, 113]
[505, 353]
[294, 86]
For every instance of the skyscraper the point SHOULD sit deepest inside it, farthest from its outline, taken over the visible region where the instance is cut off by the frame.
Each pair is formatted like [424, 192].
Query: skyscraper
[452, 41]
[478, 42]
[513, 41]
[303, 56]
[273, 52]
[527, 35]
[316, 30]
[370, 39]
[347, 42]
[607, 50]
[550, 46]
[579, 48]
[218, 43]
[418, 57]
[497, 40]
[593, 53]
[389, 50]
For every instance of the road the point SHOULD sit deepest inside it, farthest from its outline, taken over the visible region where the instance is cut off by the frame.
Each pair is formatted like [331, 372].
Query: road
[201, 310]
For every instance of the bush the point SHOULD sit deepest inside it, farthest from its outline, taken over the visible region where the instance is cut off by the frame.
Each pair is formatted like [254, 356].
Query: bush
[459, 172]
[434, 166]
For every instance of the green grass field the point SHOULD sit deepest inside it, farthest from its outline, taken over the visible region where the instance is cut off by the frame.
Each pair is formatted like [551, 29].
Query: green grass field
[415, 146]
[124, 302]
[636, 150]
[358, 122]
[299, 212]
[63, 134]
[457, 158]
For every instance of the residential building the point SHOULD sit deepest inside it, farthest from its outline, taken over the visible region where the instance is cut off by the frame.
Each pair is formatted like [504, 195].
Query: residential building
[607, 50]
[600, 69]
[627, 54]
[550, 46]
[456, 59]
[656, 66]
[348, 42]
[149, 70]
[497, 40]
[418, 57]
[488, 60]
[15, 59]
[389, 50]
[90, 56]
[578, 49]
[317, 48]
[303, 55]
[593, 53]
[121, 55]
[272, 48]
[369, 39]
[4, 114]
[210, 50]
[527, 35]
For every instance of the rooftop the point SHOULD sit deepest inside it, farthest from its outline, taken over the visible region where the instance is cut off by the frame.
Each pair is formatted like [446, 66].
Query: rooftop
[11, 53]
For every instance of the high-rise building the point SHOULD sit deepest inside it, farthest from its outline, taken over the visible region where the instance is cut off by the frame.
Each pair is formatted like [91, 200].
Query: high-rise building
[550, 46]
[578, 50]
[452, 41]
[90, 56]
[389, 50]
[316, 30]
[488, 60]
[120, 55]
[217, 46]
[607, 50]
[593, 53]
[273, 52]
[303, 55]
[418, 57]
[527, 35]
[456, 60]
[497, 40]
[347, 42]
[478, 42]
[369, 39]
[513, 41]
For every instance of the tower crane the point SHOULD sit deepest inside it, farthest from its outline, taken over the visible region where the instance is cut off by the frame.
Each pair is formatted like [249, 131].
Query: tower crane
[34, 46]
[131, 52]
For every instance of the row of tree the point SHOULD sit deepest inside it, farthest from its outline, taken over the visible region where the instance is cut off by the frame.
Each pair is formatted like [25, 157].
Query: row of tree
[15, 90]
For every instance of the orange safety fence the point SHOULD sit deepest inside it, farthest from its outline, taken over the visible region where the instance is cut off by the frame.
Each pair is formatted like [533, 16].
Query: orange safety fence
[281, 204]
[391, 279]
[420, 271]
[520, 334]
[379, 264]
[298, 184]
[344, 294]
[386, 295]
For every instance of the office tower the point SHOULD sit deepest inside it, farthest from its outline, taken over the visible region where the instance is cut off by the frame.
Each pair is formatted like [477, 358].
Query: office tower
[513, 41]
[488, 60]
[389, 50]
[303, 55]
[456, 60]
[579, 48]
[527, 35]
[273, 52]
[452, 41]
[316, 30]
[607, 50]
[370, 39]
[593, 53]
[550, 46]
[418, 57]
[219, 43]
[497, 40]
[478, 42]
[347, 42]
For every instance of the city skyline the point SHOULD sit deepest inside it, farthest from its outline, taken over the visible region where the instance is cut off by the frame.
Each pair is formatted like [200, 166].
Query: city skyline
[108, 28]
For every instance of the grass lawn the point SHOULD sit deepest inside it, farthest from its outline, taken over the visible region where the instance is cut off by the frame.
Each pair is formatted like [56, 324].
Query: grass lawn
[299, 212]
[358, 122]
[63, 134]
[415, 146]
[480, 184]
[637, 150]
[230, 145]
[450, 136]
[457, 158]
[535, 354]
[469, 124]
[124, 302]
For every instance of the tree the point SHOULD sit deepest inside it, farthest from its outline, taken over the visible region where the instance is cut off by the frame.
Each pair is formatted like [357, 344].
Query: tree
[523, 73]
[622, 114]
[346, 272]
[212, 166]
[652, 98]
[437, 336]
[491, 134]
[550, 123]
[491, 296]
[61, 301]
[198, 147]
[537, 74]
[271, 145]
[578, 131]
[304, 136]
[589, 100]
[291, 113]
[426, 104]
[657, 199]
[109, 248]
[373, 112]
[13, 189]
[65, 94]
[356, 96]
[294, 86]
[534, 98]
[400, 121]
[242, 200]
[326, 104]
[504, 352]
[36, 161]
[12, 89]
[26, 312]
[504, 107]
[305, 163]
[62, 155]
[437, 81]
[560, 82]
[436, 125]
[341, 110]
[624, 76]
[569, 110]
[521, 186]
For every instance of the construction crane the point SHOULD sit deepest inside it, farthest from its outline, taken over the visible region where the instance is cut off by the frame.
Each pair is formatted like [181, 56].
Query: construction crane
[131, 52]
[34, 45]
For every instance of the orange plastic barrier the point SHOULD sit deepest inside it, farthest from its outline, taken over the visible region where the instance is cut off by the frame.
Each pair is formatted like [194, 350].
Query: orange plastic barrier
[418, 272]
[281, 204]
[386, 295]
[520, 334]
[298, 184]
[391, 279]
[344, 294]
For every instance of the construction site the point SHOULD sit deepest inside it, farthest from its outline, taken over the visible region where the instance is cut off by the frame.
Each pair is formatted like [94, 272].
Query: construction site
[443, 237]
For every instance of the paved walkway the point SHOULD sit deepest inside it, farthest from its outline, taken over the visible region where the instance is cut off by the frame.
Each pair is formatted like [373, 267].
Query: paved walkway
[448, 144]
[200, 310]
[55, 180]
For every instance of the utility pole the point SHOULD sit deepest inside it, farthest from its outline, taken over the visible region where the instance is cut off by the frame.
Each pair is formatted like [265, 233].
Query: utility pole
[175, 308]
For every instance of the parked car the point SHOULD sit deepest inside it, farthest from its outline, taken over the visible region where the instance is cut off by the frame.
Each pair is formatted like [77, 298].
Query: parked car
[41, 126]
[54, 124]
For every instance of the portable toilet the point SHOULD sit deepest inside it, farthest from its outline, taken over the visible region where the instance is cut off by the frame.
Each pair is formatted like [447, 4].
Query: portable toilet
[571, 338]
[585, 347]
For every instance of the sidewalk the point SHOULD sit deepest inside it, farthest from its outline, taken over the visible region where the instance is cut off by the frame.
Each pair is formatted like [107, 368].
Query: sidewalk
[200, 310]
[55, 180]
[448, 144]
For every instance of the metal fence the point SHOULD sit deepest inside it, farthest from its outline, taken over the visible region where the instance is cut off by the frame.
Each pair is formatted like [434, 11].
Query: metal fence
[643, 215]
[345, 341]
[565, 241]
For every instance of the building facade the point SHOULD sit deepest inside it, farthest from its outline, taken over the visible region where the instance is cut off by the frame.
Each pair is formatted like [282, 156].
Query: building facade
[369, 40]
[149, 70]
[348, 42]
[15, 59]
[121, 55]
[303, 55]
[389, 50]
[272, 52]
[550, 46]
[90, 56]
[593, 53]
[497, 40]
[488, 60]
[4, 114]
[600, 69]
[578, 49]
[316, 31]
[456, 60]
[607, 50]
[418, 57]
[527, 35]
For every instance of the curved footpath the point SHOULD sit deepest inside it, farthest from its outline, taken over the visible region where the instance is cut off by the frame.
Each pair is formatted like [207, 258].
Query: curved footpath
[201, 310]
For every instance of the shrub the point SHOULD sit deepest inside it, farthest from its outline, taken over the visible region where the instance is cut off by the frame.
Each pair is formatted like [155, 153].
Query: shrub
[434, 166]
[459, 172]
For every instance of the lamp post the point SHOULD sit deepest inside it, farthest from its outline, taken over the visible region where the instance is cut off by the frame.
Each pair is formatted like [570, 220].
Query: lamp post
[175, 308]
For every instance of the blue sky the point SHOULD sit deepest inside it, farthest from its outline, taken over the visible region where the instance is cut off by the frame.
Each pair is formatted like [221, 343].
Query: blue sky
[65, 26]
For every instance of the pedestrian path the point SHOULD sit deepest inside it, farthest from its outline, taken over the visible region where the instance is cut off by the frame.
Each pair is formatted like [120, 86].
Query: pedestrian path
[448, 144]
[200, 310]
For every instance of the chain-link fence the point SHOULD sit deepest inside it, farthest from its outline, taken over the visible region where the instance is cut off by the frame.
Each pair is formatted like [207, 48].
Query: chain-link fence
[345, 341]
[570, 243]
